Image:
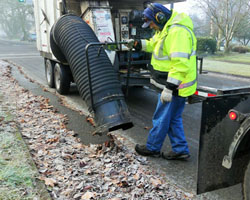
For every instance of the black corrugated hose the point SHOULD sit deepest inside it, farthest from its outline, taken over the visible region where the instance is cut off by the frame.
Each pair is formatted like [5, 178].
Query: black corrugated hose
[71, 34]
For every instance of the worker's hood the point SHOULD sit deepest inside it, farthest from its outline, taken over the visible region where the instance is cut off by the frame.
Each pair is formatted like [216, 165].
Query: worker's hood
[181, 19]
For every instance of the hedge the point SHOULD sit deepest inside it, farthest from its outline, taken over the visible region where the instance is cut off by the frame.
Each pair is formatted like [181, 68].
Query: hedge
[240, 49]
[206, 44]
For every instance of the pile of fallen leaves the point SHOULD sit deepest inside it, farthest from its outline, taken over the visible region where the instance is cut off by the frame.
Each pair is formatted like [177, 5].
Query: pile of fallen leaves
[72, 170]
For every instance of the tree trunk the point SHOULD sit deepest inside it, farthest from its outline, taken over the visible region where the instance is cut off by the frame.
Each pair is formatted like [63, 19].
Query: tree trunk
[211, 27]
[219, 39]
[227, 49]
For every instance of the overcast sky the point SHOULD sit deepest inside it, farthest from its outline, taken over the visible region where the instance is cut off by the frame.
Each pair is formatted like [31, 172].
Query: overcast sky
[29, 1]
[186, 7]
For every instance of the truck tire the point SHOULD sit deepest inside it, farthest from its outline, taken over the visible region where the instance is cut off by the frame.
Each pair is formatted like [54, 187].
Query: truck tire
[49, 72]
[62, 78]
[246, 183]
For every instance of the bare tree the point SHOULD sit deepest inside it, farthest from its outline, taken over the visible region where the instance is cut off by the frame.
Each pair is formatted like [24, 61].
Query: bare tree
[226, 15]
[15, 18]
[201, 26]
[243, 31]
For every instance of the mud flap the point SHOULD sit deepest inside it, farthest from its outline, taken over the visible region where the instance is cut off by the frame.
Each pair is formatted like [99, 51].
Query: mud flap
[216, 134]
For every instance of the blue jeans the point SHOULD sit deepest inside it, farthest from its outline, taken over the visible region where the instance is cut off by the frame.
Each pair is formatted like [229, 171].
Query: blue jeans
[167, 119]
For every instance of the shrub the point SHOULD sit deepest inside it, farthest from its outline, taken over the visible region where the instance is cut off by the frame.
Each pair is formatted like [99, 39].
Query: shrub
[206, 44]
[240, 49]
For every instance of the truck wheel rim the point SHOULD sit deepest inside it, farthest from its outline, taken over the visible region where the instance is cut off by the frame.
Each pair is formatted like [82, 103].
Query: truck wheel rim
[57, 79]
[48, 71]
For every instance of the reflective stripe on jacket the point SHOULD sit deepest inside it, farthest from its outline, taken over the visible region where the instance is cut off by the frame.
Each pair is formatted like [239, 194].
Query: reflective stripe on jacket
[174, 51]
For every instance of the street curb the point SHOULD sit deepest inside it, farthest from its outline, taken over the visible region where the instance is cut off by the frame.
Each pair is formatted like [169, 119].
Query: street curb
[42, 190]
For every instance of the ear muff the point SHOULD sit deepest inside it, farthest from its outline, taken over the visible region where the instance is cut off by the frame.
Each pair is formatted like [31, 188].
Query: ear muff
[159, 16]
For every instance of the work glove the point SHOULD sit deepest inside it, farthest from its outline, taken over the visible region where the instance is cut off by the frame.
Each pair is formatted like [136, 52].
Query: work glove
[130, 43]
[136, 44]
[166, 95]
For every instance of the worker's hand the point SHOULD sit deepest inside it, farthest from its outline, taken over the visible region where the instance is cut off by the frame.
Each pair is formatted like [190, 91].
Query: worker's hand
[130, 43]
[166, 95]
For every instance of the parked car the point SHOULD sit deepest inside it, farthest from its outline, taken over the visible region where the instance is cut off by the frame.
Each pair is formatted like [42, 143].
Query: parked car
[32, 37]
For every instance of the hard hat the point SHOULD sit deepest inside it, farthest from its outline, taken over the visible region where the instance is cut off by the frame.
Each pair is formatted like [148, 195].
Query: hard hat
[157, 13]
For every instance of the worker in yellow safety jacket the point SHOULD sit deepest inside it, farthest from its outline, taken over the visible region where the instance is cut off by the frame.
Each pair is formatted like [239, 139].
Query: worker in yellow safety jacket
[173, 49]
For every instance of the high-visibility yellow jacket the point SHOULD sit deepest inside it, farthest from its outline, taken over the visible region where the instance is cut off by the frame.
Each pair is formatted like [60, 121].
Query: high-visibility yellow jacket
[174, 51]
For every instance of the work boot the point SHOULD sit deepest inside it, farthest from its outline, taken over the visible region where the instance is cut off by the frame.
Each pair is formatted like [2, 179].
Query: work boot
[142, 150]
[175, 156]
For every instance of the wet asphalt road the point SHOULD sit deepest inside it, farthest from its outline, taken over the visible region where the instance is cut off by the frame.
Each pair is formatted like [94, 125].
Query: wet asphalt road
[141, 103]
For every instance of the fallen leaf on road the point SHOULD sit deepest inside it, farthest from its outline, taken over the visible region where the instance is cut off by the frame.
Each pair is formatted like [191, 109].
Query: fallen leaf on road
[48, 181]
[52, 140]
[67, 192]
[92, 156]
[88, 172]
[136, 176]
[45, 106]
[123, 184]
[82, 164]
[78, 146]
[90, 120]
[66, 156]
[155, 182]
[62, 126]
[88, 187]
[88, 195]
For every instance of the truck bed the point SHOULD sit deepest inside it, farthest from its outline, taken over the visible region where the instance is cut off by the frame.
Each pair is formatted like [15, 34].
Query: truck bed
[222, 82]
